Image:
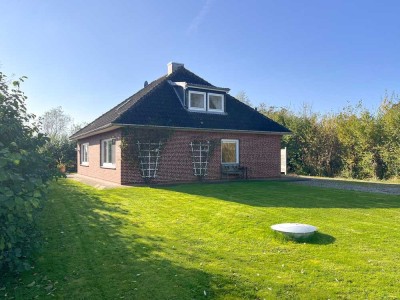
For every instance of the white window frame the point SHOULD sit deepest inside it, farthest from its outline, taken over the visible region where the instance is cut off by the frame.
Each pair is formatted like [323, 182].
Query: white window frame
[204, 101]
[231, 141]
[84, 148]
[103, 163]
[222, 100]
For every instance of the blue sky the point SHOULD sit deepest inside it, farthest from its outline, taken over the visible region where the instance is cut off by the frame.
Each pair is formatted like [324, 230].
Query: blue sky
[87, 56]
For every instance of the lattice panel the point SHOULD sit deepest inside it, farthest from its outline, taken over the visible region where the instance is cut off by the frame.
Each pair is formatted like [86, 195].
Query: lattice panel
[200, 157]
[149, 156]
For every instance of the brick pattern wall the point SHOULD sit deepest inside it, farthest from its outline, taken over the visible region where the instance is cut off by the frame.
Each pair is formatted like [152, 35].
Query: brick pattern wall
[94, 169]
[259, 152]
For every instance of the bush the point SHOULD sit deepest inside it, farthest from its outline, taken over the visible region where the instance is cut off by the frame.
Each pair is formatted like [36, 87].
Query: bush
[63, 153]
[25, 171]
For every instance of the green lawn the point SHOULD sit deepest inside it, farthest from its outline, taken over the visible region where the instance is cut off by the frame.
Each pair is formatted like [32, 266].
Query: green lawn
[202, 241]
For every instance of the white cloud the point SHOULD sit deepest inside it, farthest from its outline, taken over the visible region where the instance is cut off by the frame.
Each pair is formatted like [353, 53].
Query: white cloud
[196, 22]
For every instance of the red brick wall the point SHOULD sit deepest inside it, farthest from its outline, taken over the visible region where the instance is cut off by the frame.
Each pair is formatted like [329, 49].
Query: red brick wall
[94, 169]
[259, 152]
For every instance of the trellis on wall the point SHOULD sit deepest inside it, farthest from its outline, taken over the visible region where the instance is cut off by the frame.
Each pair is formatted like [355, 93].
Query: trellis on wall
[200, 157]
[143, 147]
[149, 155]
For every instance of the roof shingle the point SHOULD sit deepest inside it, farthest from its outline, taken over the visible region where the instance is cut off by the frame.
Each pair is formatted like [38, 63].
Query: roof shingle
[157, 104]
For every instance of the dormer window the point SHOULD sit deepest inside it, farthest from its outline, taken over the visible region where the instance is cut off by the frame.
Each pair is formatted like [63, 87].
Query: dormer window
[203, 101]
[215, 102]
[201, 98]
[197, 100]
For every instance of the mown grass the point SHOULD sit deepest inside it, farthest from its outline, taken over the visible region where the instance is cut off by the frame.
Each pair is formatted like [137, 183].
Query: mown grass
[202, 241]
[366, 181]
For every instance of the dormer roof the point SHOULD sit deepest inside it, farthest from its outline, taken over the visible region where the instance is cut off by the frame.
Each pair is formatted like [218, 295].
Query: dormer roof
[158, 105]
[186, 85]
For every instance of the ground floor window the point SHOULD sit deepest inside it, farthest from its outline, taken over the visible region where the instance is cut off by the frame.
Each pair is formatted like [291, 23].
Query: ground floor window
[108, 153]
[230, 151]
[85, 154]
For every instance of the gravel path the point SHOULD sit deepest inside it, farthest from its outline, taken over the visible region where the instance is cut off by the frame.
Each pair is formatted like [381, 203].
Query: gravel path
[371, 187]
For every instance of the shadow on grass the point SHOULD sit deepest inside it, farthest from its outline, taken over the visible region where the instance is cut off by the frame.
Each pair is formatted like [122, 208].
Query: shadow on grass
[383, 184]
[93, 250]
[317, 238]
[320, 238]
[286, 194]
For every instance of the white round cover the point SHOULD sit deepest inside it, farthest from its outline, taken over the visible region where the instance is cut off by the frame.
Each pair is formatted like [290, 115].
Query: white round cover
[294, 228]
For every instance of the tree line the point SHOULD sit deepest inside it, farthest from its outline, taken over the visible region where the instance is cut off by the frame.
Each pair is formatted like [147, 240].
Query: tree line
[353, 143]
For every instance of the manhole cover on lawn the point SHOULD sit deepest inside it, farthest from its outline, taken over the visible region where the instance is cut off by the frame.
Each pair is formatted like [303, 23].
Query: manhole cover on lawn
[295, 230]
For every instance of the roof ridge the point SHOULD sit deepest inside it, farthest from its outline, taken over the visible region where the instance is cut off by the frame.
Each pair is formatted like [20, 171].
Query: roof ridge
[161, 80]
[122, 103]
[150, 92]
[254, 110]
[193, 74]
[164, 78]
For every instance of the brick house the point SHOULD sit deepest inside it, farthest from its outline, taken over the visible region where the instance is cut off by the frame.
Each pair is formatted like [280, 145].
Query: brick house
[179, 128]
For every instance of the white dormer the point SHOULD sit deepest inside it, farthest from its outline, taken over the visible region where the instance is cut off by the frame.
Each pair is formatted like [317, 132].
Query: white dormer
[201, 98]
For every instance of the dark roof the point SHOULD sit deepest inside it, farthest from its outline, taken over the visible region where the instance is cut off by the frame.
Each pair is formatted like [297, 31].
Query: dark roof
[157, 104]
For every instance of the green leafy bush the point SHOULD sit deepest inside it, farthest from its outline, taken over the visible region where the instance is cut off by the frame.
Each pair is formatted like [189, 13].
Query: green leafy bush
[356, 143]
[24, 171]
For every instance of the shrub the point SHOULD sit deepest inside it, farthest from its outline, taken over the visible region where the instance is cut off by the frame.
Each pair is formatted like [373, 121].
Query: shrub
[24, 173]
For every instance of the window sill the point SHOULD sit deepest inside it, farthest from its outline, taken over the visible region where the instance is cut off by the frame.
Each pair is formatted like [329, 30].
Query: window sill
[84, 165]
[109, 167]
[209, 112]
[197, 109]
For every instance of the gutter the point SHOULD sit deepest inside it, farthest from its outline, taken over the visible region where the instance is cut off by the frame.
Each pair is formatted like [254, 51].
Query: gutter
[101, 129]
[113, 126]
[203, 129]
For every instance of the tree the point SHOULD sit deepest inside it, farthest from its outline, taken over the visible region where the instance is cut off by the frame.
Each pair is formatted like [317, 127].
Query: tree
[57, 125]
[242, 96]
[361, 137]
[25, 171]
[389, 122]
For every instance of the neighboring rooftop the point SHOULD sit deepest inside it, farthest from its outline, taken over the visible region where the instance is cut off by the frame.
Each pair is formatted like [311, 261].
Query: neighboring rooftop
[158, 104]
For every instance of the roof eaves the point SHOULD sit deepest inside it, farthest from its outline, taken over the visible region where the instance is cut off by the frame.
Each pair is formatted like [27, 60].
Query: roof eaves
[110, 126]
[205, 129]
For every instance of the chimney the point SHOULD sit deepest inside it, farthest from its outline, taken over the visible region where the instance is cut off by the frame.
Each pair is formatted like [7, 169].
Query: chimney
[172, 66]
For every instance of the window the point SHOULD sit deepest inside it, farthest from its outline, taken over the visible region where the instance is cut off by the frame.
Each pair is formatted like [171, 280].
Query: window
[85, 154]
[230, 151]
[204, 101]
[197, 100]
[215, 102]
[108, 153]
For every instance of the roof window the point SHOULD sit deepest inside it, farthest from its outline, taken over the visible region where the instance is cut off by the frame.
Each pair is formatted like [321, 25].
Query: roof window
[215, 102]
[200, 98]
[197, 100]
